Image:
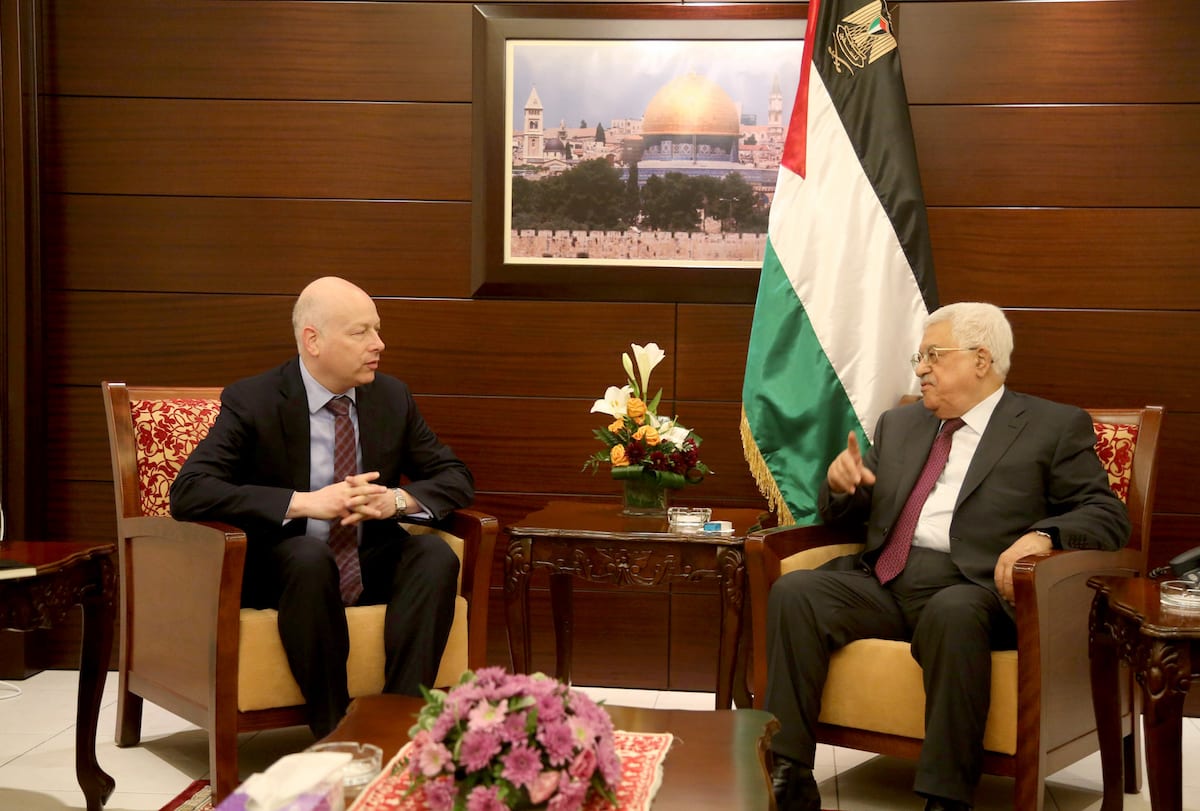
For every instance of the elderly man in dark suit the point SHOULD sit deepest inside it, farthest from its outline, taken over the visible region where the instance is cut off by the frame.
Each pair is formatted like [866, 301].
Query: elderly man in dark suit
[954, 490]
[308, 460]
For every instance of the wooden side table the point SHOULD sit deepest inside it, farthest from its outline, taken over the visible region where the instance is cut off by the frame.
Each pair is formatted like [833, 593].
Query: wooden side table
[593, 542]
[1163, 647]
[70, 574]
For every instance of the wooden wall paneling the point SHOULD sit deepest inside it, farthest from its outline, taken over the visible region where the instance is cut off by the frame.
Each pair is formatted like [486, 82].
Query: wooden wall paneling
[357, 51]
[1055, 155]
[258, 148]
[694, 641]
[81, 511]
[1173, 533]
[1114, 258]
[712, 341]
[532, 461]
[1059, 52]
[1176, 488]
[438, 346]
[1112, 358]
[76, 435]
[255, 245]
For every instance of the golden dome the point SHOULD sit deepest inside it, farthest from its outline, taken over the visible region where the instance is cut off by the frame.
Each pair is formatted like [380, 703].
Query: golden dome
[691, 105]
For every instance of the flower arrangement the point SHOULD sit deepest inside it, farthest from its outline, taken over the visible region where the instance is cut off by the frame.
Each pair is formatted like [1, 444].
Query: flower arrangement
[639, 443]
[499, 741]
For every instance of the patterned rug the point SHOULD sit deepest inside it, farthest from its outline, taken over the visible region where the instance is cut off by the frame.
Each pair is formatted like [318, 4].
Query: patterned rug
[196, 797]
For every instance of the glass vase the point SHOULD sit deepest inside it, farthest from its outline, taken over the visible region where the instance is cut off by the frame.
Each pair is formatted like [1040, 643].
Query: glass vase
[644, 496]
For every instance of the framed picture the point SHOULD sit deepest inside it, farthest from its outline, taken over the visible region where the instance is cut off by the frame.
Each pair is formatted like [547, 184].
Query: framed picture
[628, 153]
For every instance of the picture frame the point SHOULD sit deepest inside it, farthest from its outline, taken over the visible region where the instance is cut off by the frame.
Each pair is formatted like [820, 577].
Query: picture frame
[598, 64]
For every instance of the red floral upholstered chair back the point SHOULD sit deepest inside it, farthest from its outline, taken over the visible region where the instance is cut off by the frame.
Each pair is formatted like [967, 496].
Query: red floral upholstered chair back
[165, 432]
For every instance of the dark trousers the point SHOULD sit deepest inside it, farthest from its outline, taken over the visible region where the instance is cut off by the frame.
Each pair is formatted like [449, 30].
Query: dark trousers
[953, 625]
[415, 576]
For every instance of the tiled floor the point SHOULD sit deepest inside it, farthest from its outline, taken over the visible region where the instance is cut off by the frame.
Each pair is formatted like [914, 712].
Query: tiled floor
[37, 757]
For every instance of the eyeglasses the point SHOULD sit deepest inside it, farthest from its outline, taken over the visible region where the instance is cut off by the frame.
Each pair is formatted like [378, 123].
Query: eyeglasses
[934, 353]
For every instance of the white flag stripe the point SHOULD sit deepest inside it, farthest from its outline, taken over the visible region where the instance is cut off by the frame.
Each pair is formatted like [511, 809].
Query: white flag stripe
[866, 315]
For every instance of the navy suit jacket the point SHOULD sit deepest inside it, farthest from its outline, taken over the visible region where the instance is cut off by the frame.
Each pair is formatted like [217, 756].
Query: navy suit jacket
[257, 454]
[1035, 468]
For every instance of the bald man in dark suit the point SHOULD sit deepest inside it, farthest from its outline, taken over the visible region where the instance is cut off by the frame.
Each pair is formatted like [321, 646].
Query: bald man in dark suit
[267, 467]
[1021, 476]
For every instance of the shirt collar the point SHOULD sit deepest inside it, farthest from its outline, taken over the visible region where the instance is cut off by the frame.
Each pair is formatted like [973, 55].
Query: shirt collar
[977, 418]
[317, 394]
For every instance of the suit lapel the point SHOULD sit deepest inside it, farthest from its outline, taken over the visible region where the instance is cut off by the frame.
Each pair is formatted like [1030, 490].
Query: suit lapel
[369, 416]
[1006, 424]
[294, 421]
[915, 450]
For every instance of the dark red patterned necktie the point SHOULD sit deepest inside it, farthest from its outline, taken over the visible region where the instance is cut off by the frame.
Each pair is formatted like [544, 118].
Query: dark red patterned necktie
[895, 551]
[344, 540]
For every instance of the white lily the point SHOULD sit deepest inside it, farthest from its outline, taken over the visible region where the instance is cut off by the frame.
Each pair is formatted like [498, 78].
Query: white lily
[615, 401]
[676, 435]
[647, 358]
[628, 364]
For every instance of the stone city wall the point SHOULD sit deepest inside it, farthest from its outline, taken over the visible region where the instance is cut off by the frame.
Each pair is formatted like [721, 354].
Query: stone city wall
[638, 245]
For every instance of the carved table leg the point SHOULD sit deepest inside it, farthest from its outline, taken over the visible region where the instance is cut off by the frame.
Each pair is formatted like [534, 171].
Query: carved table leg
[1164, 671]
[1106, 701]
[563, 602]
[98, 603]
[731, 566]
[516, 605]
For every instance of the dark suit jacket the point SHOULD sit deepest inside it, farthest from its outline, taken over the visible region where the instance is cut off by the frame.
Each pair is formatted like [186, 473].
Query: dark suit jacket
[1035, 468]
[257, 453]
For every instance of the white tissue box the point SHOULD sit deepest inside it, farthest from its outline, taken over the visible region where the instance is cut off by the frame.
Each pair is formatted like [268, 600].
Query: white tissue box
[307, 781]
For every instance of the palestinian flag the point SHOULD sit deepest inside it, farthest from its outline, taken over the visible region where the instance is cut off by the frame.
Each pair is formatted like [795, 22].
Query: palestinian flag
[848, 274]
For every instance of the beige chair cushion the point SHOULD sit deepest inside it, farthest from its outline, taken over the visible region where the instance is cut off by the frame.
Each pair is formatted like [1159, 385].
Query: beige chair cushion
[895, 702]
[265, 679]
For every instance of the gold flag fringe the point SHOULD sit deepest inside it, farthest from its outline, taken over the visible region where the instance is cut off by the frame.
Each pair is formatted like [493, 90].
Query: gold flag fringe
[763, 476]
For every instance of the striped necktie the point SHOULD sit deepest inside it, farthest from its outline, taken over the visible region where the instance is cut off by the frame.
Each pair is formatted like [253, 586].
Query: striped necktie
[343, 540]
[895, 551]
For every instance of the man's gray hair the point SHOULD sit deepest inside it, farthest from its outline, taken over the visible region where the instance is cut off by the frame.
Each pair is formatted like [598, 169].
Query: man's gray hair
[976, 323]
[308, 312]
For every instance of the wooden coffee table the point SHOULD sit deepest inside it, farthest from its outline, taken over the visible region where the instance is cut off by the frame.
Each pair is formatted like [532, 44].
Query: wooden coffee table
[717, 760]
[70, 574]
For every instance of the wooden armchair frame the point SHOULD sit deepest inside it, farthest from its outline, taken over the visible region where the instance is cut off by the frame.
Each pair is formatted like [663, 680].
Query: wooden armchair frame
[180, 604]
[1054, 717]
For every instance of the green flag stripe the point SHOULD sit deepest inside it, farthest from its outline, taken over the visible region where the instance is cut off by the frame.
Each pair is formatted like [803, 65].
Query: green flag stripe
[797, 410]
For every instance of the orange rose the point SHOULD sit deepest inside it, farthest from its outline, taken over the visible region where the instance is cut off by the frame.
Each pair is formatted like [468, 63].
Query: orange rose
[617, 425]
[617, 454]
[636, 409]
[648, 434]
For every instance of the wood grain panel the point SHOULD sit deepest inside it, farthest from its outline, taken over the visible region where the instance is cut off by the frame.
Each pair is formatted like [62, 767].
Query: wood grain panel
[516, 348]
[280, 50]
[81, 511]
[1176, 488]
[1082, 258]
[1065, 52]
[504, 461]
[222, 245]
[695, 641]
[1108, 358]
[712, 341]
[1109, 156]
[257, 148]
[1173, 534]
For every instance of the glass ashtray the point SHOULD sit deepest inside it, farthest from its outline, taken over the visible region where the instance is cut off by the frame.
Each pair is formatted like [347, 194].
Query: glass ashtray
[367, 760]
[688, 519]
[1179, 595]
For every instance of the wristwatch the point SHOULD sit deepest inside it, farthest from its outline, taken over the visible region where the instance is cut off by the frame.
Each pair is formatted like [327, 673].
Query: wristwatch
[401, 503]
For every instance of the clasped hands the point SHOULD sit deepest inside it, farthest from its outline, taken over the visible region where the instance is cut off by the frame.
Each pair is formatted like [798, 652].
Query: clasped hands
[353, 499]
[847, 472]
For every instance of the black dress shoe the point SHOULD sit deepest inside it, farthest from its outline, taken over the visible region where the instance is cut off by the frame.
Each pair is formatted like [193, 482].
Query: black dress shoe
[942, 804]
[794, 786]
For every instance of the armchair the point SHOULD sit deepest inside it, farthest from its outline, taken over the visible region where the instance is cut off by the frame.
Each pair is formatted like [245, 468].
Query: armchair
[1041, 717]
[186, 643]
